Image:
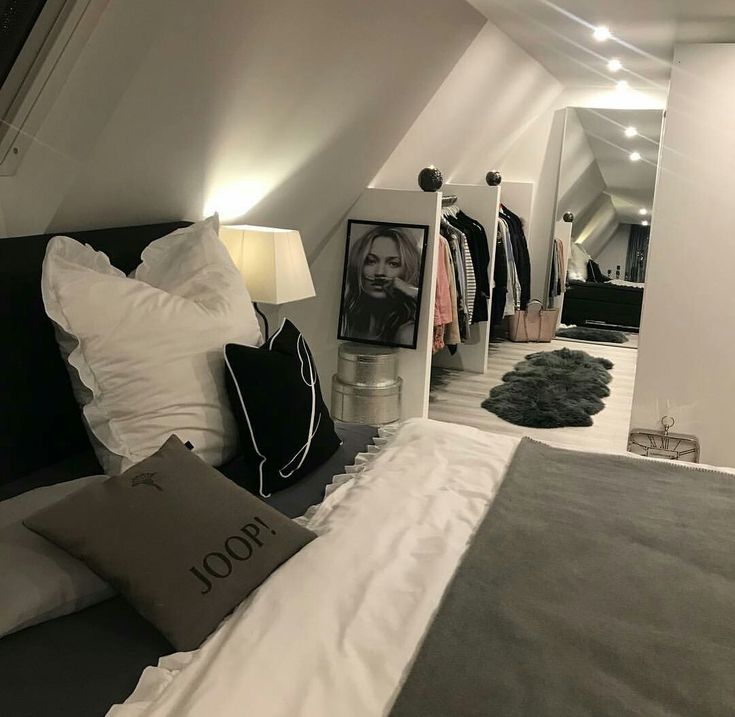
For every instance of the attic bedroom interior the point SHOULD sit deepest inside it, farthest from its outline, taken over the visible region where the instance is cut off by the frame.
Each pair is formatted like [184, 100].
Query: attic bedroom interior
[367, 359]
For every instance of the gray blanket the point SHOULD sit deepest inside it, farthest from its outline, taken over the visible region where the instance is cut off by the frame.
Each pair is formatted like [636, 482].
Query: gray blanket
[596, 585]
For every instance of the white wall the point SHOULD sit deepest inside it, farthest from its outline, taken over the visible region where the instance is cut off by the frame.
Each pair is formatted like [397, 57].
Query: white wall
[277, 112]
[615, 252]
[685, 360]
[484, 105]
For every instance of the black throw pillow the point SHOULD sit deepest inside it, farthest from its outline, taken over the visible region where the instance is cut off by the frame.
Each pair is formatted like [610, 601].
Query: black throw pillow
[285, 428]
[595, 274]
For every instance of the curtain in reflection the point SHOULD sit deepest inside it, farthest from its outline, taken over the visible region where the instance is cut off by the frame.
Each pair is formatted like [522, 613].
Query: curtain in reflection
[635, 264]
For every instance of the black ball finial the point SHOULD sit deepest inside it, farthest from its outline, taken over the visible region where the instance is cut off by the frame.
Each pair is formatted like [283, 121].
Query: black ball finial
[430, 179]
[493, 178]
[568, 217]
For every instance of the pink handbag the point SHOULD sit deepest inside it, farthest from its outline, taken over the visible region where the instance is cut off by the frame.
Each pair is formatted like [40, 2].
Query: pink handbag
[535, 324]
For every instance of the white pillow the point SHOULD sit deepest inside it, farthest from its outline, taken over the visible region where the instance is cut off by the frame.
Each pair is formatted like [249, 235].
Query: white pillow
[145, 351]
[577, 268]
[41, 581]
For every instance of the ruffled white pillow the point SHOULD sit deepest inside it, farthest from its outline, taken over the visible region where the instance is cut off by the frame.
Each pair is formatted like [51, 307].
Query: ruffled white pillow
[578, 258]
[145, 351]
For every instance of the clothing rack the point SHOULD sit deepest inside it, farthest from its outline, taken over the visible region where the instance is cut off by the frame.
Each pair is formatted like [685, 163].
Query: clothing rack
[518, 198]
[411, 206]
[562, 232]
[389, 206]
[480, 201]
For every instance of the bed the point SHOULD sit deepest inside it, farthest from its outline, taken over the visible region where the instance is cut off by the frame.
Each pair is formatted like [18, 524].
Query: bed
[82, 663]
[589, 303]
[419, 624]
[453, 569]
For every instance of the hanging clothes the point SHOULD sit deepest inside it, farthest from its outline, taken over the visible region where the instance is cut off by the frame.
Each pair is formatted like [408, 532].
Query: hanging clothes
[470, 281]
[478, 265]
[557, 278]
[500, 280]
[443, 301]
[563, 264]
[554, 275]
[512, 271]
[521, 256]
[513, 289]
[463, 277]
[452, 336]
[456, 240]
[455, 250]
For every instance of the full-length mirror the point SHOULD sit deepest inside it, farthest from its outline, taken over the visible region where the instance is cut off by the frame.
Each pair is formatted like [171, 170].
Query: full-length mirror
[605, 196]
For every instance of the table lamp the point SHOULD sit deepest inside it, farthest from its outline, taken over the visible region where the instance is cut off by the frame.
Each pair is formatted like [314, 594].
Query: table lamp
[272, 262]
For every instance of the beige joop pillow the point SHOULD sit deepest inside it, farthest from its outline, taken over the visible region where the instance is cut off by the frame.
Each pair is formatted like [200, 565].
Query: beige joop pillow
[180, 541]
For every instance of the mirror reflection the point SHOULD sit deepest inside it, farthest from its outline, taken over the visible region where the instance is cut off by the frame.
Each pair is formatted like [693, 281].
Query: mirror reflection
[605, 197]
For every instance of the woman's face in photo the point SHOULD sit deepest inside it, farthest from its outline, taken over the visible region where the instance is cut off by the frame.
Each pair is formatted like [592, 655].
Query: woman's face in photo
[382, 265]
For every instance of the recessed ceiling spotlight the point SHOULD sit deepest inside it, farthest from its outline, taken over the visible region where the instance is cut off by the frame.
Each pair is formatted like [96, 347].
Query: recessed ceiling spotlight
[631, 132]
[614, 65]
[635, 157]
[643, 212]
[623, 85]
[644, 223]
[602, 33]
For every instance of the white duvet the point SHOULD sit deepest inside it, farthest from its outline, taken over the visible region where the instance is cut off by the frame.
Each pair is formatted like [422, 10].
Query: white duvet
[333, 631]
[622, 282]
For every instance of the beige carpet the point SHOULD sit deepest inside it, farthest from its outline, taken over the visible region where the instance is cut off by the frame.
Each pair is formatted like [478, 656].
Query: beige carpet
[456, 397]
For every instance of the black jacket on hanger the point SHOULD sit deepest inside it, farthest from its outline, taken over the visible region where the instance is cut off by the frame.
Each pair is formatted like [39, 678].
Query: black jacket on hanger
[500, 279]
[520, 253]
[480, 256]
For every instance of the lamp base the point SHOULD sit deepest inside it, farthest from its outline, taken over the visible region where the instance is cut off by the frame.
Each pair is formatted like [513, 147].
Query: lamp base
[265, 320]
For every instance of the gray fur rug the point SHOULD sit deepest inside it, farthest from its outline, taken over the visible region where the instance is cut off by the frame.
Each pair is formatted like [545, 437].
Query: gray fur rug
[552, 389]
[591, 334]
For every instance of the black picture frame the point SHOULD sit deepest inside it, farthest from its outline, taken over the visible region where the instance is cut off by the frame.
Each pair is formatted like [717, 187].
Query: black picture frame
[380, 309]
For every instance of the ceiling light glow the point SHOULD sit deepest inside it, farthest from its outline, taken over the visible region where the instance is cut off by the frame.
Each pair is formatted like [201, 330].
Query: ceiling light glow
[644, 223]
[234, 200]
[643, 212]
[623, 86]
[614, 65]
[631, 132]
[635, 156]
[602, 33]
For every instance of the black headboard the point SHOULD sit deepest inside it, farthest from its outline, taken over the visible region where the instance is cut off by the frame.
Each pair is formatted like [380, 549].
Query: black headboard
[40, 422]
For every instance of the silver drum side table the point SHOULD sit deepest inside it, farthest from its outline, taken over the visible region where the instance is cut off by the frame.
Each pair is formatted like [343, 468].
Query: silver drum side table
[366, 388]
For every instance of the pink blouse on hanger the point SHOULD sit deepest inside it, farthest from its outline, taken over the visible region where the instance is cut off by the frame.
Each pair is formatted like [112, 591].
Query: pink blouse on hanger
[443, 299]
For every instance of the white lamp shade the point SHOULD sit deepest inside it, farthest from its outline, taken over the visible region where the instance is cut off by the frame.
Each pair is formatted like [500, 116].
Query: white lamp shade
[272, 262]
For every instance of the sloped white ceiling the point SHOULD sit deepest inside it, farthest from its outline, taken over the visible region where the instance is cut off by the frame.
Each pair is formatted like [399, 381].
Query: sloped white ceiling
[630, 185]
[558, 34]
[595, 228]
[277, 113]
[580, 179]
[491, 97]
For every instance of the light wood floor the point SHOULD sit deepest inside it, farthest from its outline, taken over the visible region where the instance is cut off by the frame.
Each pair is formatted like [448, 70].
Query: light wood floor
[458, 395]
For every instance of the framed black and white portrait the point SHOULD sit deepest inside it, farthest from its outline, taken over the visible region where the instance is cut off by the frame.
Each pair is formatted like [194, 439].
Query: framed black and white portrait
[382, 283]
